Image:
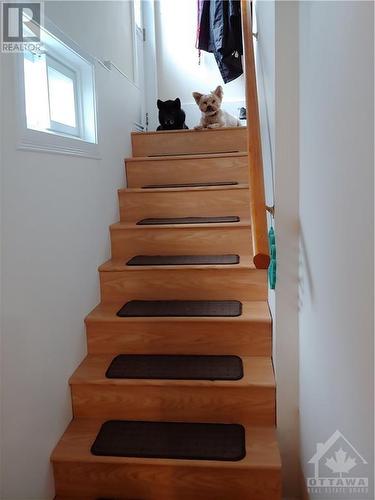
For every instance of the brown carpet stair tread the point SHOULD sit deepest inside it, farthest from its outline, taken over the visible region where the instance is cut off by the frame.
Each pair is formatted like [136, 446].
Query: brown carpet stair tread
[170, 440]
[180, 308]
[188, 220]
[190, 184]
[180, 260]
[175, 367]
[261, 449]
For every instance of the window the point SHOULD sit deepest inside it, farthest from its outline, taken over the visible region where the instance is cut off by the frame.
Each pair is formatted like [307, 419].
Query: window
[58, 93]
[52, 95]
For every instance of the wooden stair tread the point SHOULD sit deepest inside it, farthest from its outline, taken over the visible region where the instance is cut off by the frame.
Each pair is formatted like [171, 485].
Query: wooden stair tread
[120, 226]
[258, 371]
[187, 156]
[74, 446]
[187, 131]
[257, 311]
[119, 265]
[184, 189]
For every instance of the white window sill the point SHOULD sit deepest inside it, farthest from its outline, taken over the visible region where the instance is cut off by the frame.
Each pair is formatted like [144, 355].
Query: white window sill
[44, 142]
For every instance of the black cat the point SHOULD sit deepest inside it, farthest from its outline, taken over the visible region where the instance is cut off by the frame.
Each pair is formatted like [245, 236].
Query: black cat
[171, 116]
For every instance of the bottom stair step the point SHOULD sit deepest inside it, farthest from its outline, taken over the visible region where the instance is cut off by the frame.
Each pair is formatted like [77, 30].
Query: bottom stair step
[80, 474]
[181, 308]
[173, 440]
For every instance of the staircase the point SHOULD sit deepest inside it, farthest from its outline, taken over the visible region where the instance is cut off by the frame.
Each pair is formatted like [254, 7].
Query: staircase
[177, 365]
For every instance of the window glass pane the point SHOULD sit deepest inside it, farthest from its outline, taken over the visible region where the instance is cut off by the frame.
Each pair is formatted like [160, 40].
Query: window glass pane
[61, 98]
[36, 91]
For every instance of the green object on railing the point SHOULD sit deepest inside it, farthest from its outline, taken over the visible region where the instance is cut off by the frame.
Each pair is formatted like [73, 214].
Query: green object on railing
[273, 251]
[271, 236]
[273, 266]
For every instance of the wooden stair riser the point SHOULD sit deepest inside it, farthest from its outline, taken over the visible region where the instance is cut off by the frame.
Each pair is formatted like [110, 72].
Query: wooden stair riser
[183, 284]
[248, 405]
[177, 336]
[184, 203]
[192, 240]
[183, 170]
[189, 142]
[165, 482]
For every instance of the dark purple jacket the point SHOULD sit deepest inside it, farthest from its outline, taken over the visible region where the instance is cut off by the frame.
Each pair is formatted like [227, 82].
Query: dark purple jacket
[220, 32]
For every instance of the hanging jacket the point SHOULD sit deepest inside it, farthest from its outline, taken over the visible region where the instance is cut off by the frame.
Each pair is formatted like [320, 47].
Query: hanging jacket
[220, 32]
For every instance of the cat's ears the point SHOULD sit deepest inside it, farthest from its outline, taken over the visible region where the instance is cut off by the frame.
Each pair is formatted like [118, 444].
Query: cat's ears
[160, 103]
[197, 96]
[219, 92]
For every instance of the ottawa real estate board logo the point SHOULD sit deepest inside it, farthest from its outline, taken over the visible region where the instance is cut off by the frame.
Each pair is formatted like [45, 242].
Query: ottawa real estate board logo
[339, 470]
[20, 26]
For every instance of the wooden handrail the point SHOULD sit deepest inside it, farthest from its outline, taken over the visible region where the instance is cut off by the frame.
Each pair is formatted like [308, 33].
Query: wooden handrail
[258, 215]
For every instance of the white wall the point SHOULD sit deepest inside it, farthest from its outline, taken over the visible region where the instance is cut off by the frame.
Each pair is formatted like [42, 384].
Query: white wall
[276, 57]
[55, 215]
[336, 218]
[323, 336]
[177, 60]
[286, 227]
[150, 65]
[107, 28]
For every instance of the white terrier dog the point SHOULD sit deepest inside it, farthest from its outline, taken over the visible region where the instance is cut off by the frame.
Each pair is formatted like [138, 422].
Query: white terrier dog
[212, 115]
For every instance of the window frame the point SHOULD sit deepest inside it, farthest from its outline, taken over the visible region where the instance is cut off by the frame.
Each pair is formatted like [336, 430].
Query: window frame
[50, 140]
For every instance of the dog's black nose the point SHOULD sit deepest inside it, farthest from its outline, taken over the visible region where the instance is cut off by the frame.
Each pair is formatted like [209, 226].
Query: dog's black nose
[209, 108]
